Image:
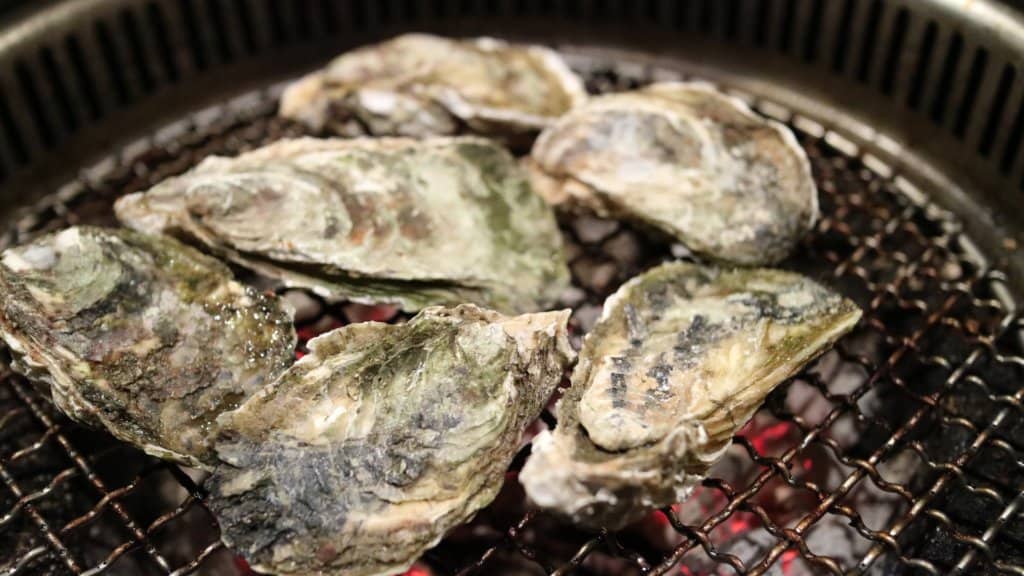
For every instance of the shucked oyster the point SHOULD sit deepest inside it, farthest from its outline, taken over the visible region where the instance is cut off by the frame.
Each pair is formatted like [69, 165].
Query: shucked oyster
[681, 358]
[437, 221]
[386, 436]
[685, 159]
[422, 85]
[141, 335]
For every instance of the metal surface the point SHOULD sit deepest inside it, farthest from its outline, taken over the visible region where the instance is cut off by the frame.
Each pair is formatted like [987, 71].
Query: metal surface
[900, 452]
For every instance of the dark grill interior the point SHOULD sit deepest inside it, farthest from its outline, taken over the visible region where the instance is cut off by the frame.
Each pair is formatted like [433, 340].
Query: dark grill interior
[902, 446]
[897, 453]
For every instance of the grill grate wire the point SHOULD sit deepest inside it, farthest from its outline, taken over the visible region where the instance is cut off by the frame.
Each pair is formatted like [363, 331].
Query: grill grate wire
[931, 376]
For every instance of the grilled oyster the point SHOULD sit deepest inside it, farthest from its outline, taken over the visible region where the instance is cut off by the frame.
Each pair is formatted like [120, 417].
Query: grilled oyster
[421, 85]
[685, 159]
[141, 335]
[681, 358]
[382, 439]
[410, 222]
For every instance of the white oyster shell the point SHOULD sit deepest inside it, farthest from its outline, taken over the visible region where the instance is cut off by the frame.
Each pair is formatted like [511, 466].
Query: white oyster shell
[421, 85]
[681, 358]
[680, 157]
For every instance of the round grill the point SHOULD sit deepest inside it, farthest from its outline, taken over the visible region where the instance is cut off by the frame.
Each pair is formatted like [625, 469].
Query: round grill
[900, 452]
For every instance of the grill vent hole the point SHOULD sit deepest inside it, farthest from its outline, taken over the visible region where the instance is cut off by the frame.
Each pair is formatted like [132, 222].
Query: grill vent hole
[893, 56]
[195, 37]
[941, 97]
[276, 17]
[974, 80]
[163, 43]
[842, 37]
[221, 37]
[680, 19]
[761, 22]
[83, 77]
[1012, 146]
[996, 109]
[14, 137]
[329, 16]
[924, 60]
[30, 95]
[138, 52]
[811, 31]
[300, 9]
[786, 26]
[55, 79]
[868, 43]
[115, 68]
[731, 18]
[706, 17]
[358, 14]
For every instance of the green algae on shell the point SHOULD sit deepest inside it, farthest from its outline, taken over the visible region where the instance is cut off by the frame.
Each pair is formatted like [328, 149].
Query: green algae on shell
[389, 220]
[681, 358]
[140, 335]
[369, 449]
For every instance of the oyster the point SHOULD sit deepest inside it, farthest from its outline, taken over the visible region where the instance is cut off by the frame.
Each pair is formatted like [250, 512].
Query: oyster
[687, 160]
[383, 438]
[681, 358]
[421, 85]
[141, 335]
[410, 222]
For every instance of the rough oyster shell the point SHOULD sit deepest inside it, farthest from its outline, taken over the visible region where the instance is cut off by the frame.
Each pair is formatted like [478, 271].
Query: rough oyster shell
[369, 449]
[411, 222]
[681, 358]
[421, 85]
[685, 159]
[141, 335]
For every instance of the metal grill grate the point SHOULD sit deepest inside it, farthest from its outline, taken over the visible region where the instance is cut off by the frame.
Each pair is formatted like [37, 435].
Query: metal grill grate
[898, 452]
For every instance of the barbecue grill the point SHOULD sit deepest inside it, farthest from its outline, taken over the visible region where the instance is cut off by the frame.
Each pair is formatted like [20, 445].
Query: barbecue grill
[899, 452]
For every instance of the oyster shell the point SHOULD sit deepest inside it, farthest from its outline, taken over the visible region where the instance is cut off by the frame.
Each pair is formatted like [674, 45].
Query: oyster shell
[685, 159]
[421, 85]
[382, 439]
[681, 358]
[410, 222]
[141, 335]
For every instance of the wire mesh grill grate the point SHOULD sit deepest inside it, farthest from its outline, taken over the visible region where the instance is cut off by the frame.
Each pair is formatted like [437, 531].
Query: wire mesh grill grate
[898, 452]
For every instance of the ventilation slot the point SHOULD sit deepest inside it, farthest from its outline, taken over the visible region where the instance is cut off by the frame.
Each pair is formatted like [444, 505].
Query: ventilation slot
[138, 52]
[329, 16]
[358, 14]
[276, 17]
[1013, 141]
[680, 18]
[163, 42]
[83, 77]
[731, 18]
[115, 68]
[867, 48]
[892, 58]
[761, 22]
[411, 9]
[59, 89]
[706, 17]
[195, 37]
[996, 109]
[221, 37]
[11, 131]
[941, 97]
[786, 26]
[924, 61]
[842, 37]
[441, 8]
[30, 95]
[303, 26]
[974, 79]
[811, 32]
